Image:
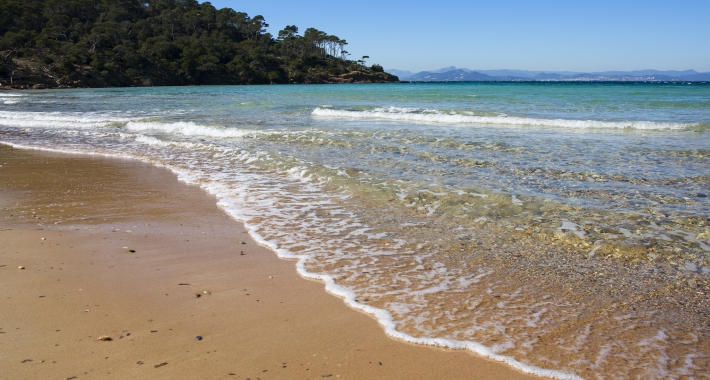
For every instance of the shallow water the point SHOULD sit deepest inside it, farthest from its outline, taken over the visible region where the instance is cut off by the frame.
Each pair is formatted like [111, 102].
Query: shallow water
[562, 228]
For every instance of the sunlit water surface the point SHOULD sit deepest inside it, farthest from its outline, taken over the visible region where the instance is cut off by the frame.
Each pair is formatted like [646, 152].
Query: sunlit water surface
[562, 228]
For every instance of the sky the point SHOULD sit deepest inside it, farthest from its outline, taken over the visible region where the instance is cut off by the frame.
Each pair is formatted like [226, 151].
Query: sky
[544, 35]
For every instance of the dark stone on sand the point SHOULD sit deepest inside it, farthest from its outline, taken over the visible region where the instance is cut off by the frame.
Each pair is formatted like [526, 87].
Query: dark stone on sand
[198, 337]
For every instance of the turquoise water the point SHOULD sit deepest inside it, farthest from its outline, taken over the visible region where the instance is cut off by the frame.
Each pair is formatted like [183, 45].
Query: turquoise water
[555, 226]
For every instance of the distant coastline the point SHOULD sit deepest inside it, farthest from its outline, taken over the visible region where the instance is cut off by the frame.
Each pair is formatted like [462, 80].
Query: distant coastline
[453, 74]
[560, 81]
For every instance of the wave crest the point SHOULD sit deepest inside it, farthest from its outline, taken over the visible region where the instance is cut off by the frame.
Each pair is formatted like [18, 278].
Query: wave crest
[434, 116]
[57, 120]
[186, 128]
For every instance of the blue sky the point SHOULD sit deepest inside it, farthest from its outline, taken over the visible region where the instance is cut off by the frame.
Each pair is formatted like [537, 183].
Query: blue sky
[549, 35]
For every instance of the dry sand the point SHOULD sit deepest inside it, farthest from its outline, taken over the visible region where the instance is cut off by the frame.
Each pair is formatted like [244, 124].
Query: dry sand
[66, 219]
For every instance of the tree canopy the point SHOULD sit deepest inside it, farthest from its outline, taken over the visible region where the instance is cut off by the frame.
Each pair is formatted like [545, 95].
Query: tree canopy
[169, 42]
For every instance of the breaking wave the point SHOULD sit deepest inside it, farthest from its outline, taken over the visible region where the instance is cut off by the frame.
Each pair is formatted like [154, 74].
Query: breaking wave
[436, 116]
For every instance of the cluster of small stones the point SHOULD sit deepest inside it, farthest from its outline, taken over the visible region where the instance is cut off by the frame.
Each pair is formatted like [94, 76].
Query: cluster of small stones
[527, 240]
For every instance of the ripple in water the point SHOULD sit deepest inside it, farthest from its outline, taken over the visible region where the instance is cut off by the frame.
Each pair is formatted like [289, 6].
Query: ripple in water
[563, 253]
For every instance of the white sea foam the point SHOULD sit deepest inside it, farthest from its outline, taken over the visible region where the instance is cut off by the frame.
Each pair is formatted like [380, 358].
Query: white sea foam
[186, 128]
[57, 120]
[149, 140]
[433, 116]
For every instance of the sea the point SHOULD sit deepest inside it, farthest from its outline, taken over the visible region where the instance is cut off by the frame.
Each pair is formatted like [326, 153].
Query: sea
[561, 228]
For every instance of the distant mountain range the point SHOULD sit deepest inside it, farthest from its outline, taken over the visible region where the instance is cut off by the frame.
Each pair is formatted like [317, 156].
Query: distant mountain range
[454, 74]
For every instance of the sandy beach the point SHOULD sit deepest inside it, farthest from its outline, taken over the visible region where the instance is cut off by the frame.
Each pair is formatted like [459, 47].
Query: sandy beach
[120, 249]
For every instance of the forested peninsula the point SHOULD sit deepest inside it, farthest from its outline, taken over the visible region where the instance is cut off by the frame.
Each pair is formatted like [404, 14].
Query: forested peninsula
[121, 43]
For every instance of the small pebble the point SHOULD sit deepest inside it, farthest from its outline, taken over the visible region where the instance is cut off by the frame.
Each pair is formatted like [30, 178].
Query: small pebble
[206, 292]
[243, 242]
[20, 267]
[44, 238]
[105, 338]
[199, 337]
[198, 295]
[271, 276]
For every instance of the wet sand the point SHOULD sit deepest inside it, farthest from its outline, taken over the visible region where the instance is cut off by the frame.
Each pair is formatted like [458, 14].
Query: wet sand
[72, 222]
